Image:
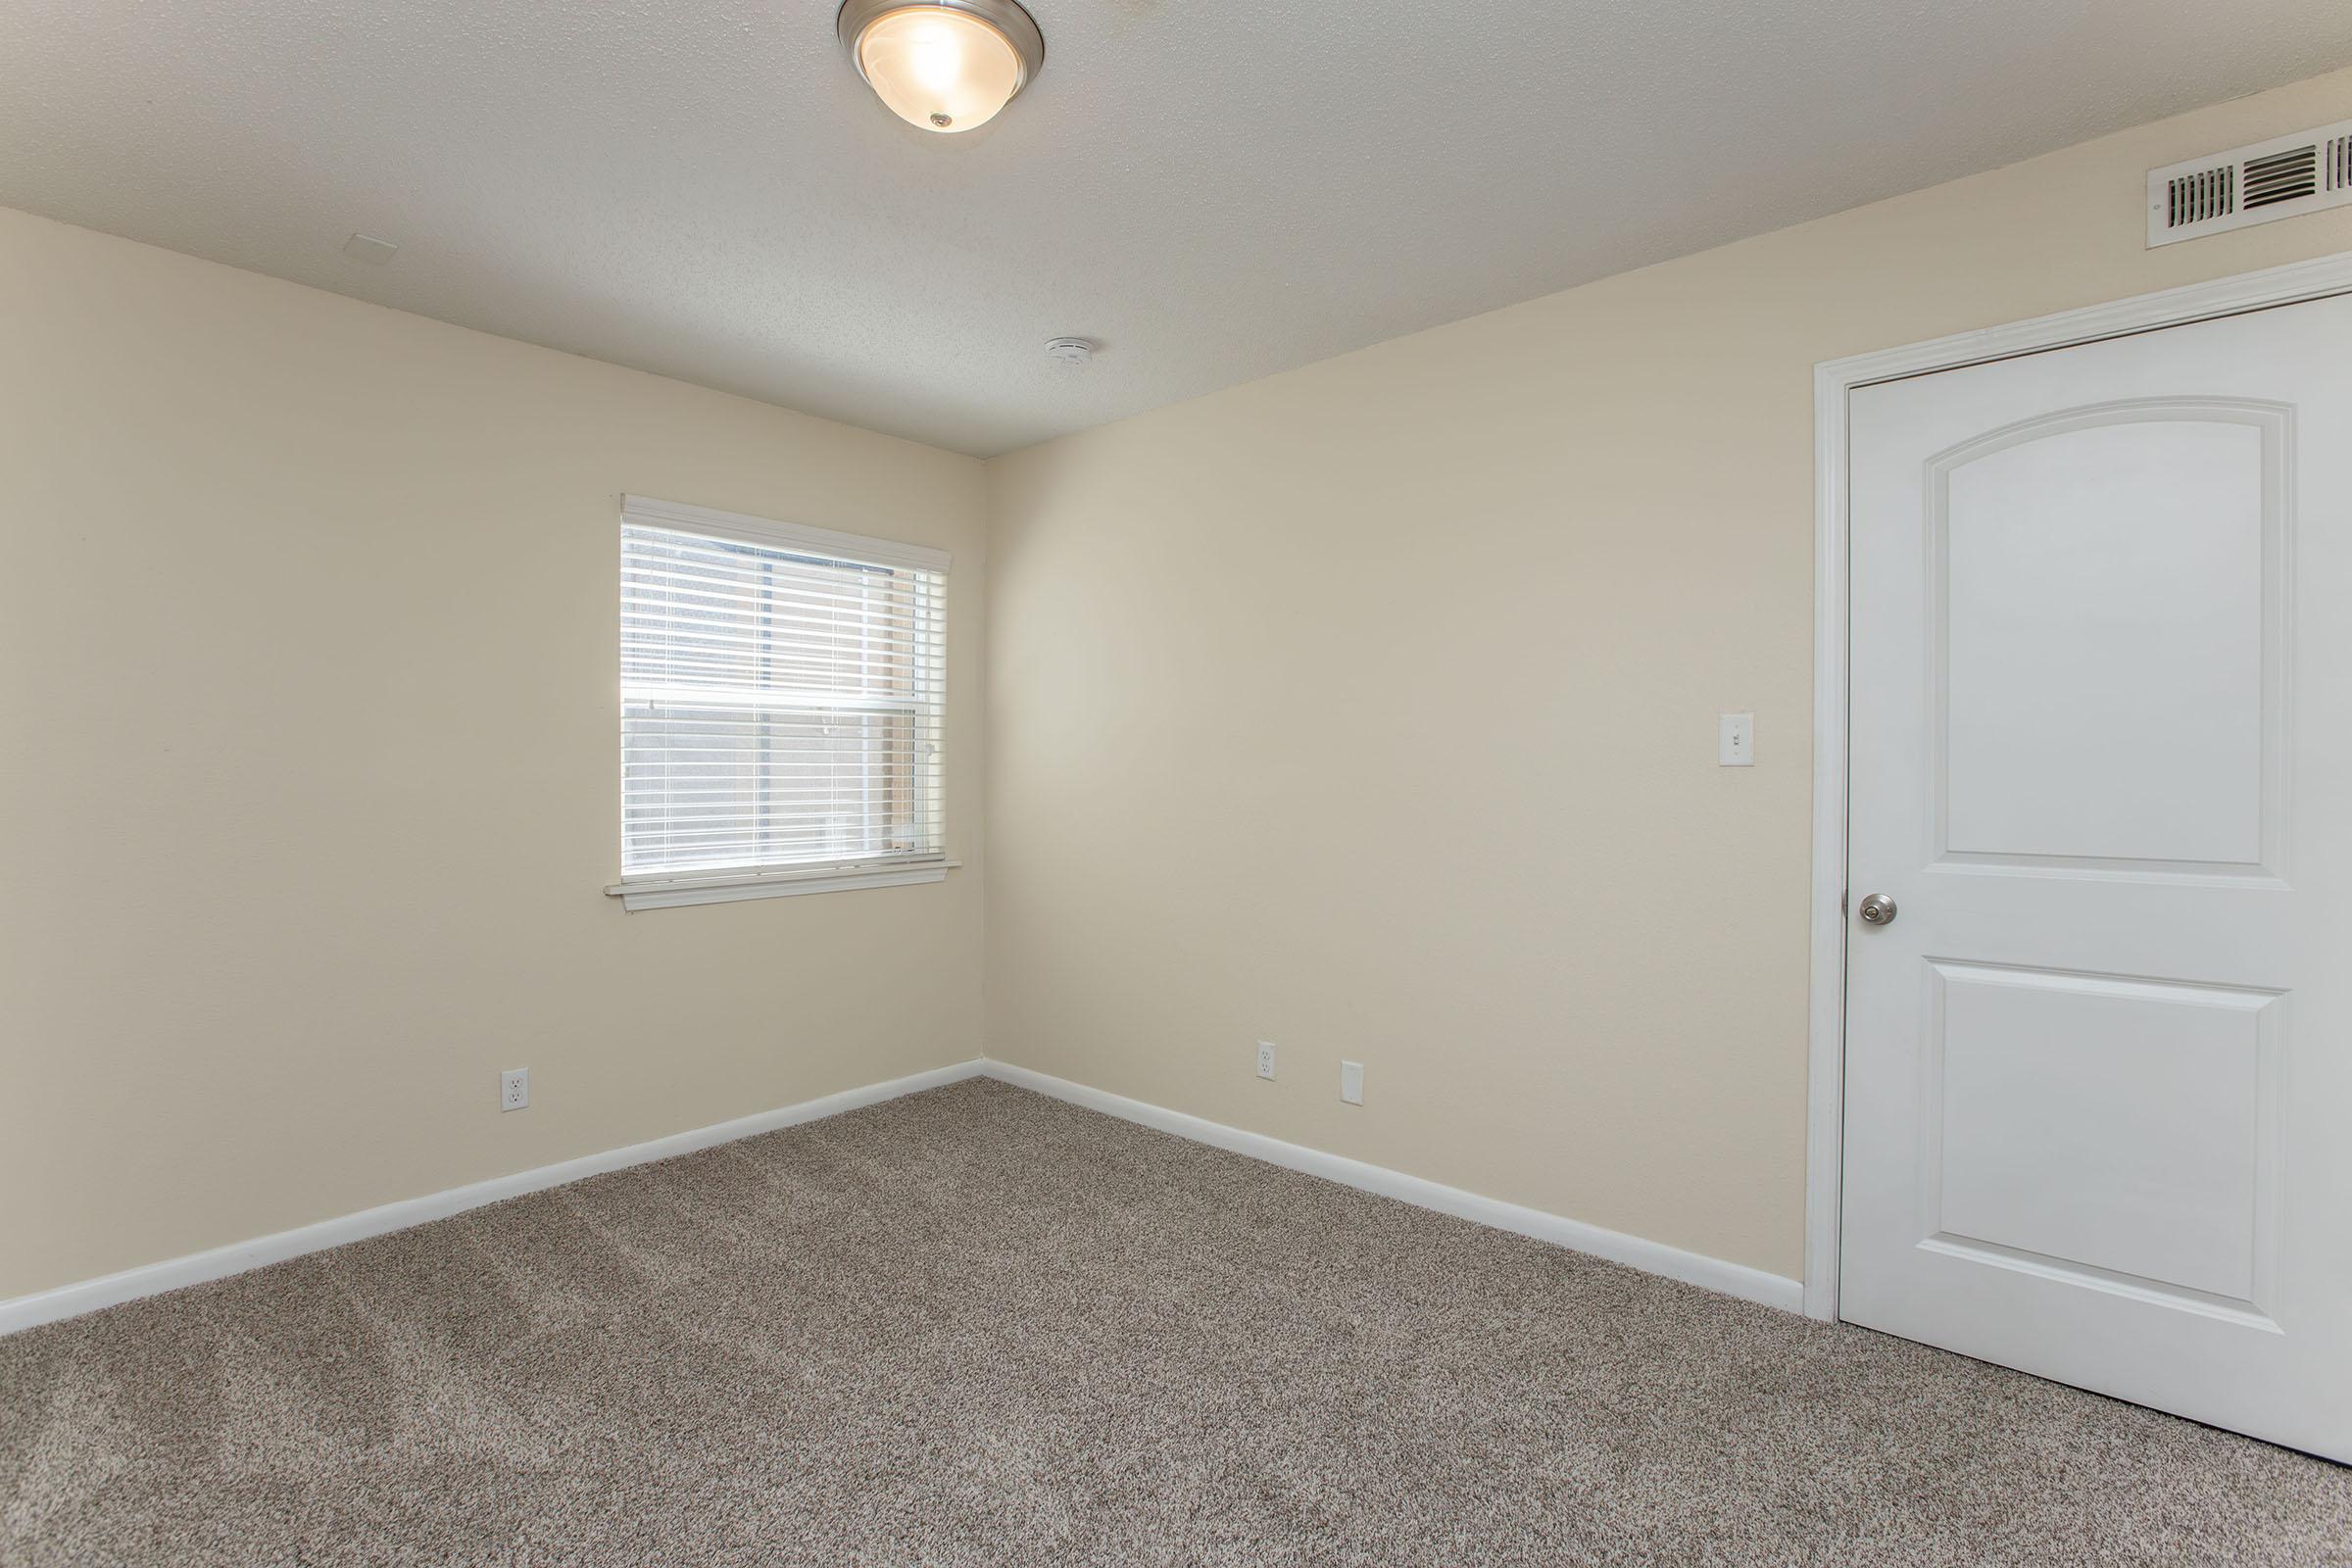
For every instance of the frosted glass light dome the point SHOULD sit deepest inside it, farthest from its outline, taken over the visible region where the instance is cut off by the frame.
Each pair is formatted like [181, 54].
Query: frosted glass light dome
[944, 65]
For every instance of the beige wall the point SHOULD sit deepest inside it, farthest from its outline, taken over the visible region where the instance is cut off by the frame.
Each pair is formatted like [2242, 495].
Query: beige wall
[1370, 709]
[309, 763]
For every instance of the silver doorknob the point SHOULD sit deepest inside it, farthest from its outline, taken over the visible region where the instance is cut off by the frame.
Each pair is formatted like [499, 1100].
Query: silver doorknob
[1877, 910]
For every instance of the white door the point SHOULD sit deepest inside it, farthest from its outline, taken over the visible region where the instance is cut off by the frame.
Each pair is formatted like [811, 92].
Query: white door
[2098, 1065]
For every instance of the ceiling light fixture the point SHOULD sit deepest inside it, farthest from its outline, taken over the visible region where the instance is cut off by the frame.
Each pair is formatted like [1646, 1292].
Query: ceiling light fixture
[943, 65]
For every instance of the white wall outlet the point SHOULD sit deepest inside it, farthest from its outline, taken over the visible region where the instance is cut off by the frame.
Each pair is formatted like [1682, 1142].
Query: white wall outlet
[1266, 1058]
[515, 1088]
[1351, 1082]
[1736, 740]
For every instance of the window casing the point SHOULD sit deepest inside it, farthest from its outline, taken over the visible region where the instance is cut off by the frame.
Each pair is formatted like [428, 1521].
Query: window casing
[782, 693]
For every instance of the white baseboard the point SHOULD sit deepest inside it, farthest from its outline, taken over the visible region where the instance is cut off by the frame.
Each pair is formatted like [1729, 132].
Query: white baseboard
[197, 1268]
[1654, 1257]
[153, 1279]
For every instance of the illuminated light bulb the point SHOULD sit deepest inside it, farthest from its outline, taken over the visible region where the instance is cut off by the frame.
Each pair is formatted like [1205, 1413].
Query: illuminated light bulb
[943, 65]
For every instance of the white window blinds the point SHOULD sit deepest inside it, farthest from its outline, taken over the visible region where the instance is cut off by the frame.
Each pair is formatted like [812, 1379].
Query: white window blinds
[780, 694]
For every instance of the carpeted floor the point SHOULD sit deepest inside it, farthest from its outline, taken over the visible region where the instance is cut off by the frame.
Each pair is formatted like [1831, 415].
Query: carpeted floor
[978, 1326]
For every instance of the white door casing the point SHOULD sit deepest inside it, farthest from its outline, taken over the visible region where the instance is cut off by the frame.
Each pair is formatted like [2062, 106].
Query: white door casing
[2096, 1067]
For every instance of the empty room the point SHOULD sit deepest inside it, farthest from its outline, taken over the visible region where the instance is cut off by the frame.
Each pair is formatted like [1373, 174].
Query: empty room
[1175, 782]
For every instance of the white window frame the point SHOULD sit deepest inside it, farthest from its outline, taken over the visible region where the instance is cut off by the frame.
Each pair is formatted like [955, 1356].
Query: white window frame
[656, 891]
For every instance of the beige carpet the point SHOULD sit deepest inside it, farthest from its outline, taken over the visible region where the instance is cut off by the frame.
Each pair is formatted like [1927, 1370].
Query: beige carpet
[978, 1326]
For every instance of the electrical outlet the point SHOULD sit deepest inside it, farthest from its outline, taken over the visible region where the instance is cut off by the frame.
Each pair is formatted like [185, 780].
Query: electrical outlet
[515, 1088]
[1351, 1082]
[1266, 1058]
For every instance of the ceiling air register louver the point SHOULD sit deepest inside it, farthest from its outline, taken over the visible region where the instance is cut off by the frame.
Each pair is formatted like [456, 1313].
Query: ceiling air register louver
[2283, 177]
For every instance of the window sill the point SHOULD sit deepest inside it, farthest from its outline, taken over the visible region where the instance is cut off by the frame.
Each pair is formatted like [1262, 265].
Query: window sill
[668, 892]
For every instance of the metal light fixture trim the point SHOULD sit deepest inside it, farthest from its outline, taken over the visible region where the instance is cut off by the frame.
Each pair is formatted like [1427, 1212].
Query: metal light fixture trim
[1017, 29]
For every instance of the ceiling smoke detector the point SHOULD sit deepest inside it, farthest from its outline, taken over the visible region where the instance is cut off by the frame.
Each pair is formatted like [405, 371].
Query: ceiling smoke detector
[942, 64]
[1070, 350]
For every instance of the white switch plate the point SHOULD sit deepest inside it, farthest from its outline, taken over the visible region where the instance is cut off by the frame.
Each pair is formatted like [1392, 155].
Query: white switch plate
[1351, 1082]
[1266, 1058]
[1736, 740]
[515, 1088]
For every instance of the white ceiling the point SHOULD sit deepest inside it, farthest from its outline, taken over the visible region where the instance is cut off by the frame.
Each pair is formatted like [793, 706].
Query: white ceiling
[1215, 189]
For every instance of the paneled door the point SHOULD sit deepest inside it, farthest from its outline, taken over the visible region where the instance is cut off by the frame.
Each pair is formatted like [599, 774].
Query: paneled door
[2098, 1052]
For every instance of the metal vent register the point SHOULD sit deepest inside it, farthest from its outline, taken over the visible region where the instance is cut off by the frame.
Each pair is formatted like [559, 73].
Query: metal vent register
[2284, 178]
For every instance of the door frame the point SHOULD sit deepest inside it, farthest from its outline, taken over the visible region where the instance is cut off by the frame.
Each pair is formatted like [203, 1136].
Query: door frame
[1833, 381]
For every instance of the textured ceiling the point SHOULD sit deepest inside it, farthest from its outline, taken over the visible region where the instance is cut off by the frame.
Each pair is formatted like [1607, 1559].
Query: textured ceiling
[1215, 189]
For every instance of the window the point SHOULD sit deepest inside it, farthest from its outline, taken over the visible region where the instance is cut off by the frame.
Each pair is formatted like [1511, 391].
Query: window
[781, 703]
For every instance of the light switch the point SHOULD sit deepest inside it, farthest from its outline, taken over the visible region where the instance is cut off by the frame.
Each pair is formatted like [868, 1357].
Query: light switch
[1736, 740]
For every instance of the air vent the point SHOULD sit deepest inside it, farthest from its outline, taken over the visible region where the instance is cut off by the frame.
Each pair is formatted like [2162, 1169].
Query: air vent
[2207, 193]
[2283, 177]
[2287, 176]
